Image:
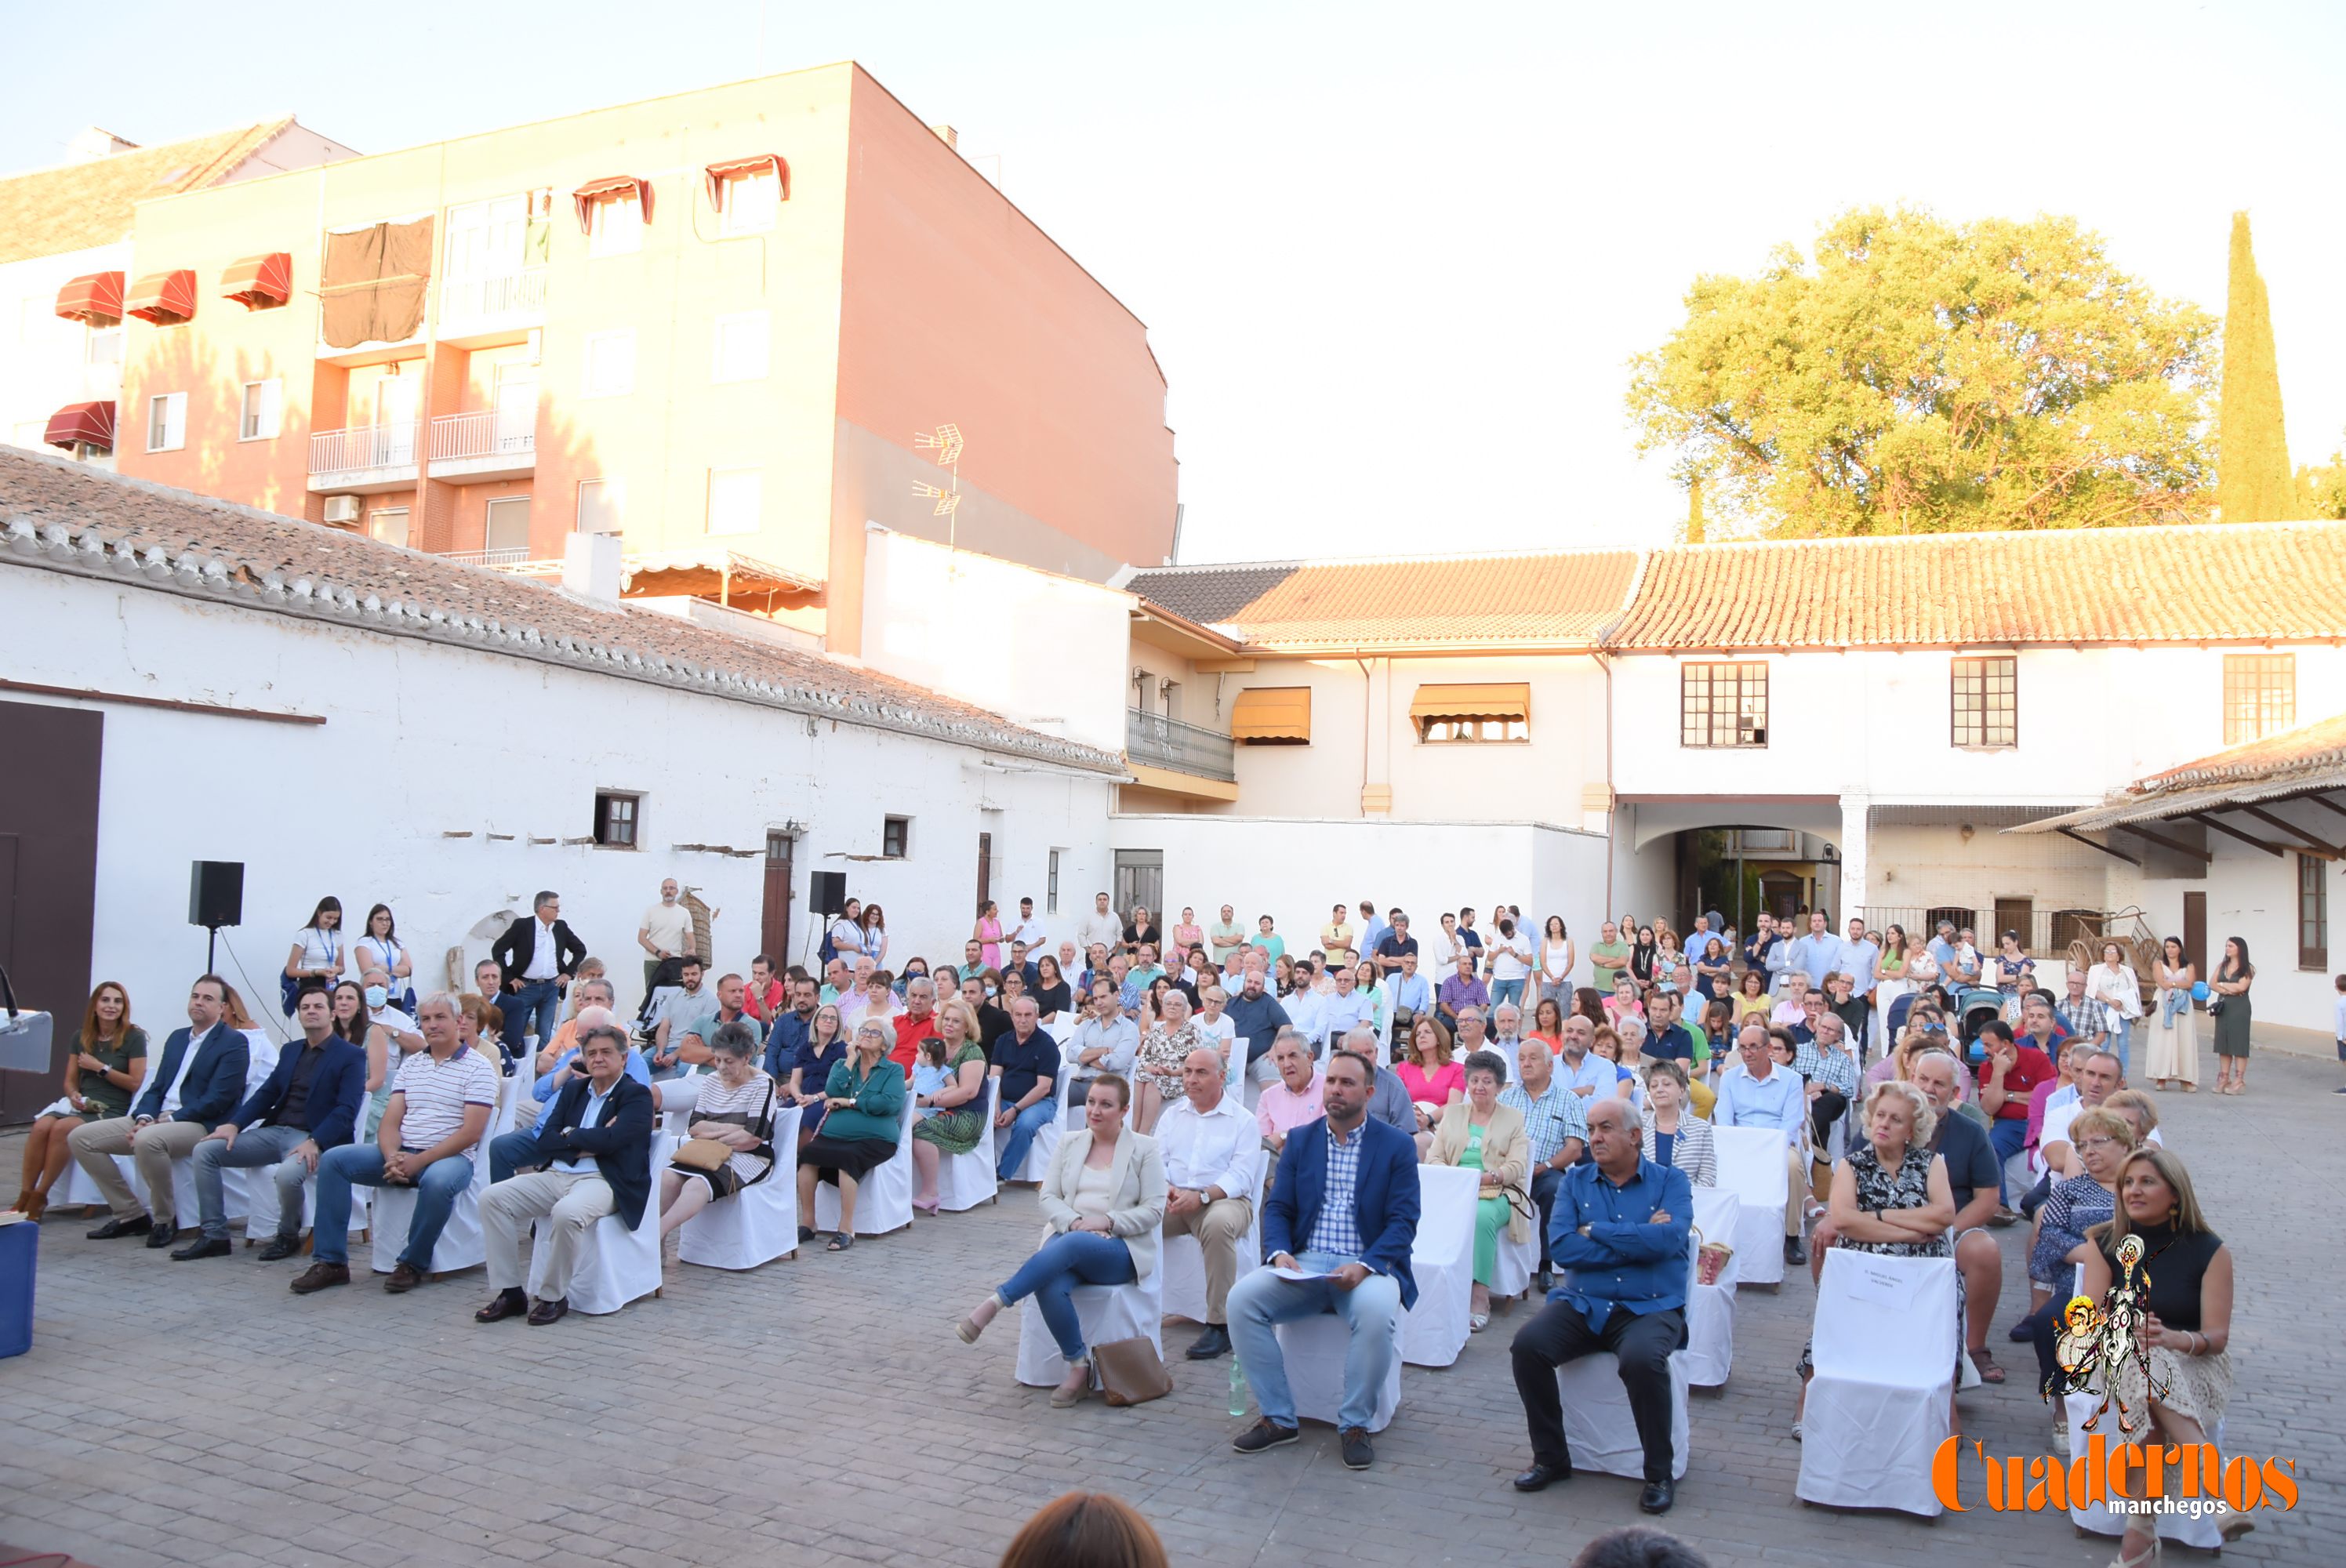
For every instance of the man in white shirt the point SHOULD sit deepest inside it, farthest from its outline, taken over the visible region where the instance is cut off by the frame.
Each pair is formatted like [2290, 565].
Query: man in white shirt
[1344, 1009]
[1105, 1041]
[680, 1013]
[1101, 925]
[665, 932]
[1212, 1153]
[1507, 1038]
[1028, 930]
[858, 995]
[403, 1032]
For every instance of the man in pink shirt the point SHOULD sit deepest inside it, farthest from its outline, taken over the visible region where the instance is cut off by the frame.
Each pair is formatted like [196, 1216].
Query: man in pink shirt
[1295, 1098]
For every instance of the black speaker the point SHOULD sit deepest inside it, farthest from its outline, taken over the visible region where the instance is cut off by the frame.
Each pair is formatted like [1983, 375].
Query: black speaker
[216, 893]
[830, 892]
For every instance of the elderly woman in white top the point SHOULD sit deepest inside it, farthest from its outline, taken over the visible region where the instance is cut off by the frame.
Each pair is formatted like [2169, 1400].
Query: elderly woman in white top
[1103, 1205]
[2113, 984]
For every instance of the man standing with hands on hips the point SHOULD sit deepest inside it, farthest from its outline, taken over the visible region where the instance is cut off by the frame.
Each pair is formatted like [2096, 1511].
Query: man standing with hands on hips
[666, 931]
[536, 959]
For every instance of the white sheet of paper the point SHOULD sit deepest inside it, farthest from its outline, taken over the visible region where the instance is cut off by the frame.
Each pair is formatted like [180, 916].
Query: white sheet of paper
[1297, 1274]
[1881, 1286]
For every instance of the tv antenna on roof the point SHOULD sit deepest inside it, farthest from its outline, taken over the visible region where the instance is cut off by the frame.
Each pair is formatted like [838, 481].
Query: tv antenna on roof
[945, 440]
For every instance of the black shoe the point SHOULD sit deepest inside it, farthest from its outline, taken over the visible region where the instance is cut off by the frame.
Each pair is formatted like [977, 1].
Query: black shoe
[161, 1236]
[1540, 1477]
[1265, 1433]
[1794, 1253]
[1358, 1453]
[1657, 1496]
[279, 1248]
[509, 1303]
[1215, 1341]
[1544, 1281]
[547, 1313]
[114, 1227]
[203, 1246]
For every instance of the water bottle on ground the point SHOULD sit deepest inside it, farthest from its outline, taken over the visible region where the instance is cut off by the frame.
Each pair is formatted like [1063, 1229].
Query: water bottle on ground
[1238, 1387]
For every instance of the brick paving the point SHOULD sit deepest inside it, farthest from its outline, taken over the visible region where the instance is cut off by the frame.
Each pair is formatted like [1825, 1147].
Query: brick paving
[199, 1412]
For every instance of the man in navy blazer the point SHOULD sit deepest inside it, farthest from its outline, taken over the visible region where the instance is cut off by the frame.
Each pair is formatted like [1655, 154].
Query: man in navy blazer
[192, 1089]
[536, 958]
[1342, 1212]
[309, 1105]
[594, 1151]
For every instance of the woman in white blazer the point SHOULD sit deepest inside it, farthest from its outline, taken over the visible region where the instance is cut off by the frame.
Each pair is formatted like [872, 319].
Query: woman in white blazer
[1103, 1199]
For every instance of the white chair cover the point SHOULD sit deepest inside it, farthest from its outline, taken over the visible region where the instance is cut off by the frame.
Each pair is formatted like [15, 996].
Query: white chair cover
[461, 1243]
[883, 1198]
[1039, 1153]
[235, 1189]
[1107, 1312]
[1183, 1261]
[614, 1264]
[964, 1181]
[1884, 1347]
[261, 1204]
[1518, 1261]
[1435, 1331]
[1710, 1353]
[1313, 1349]
[1752, 1166]
[758, 1224]
[2204, 1531]
[1597, 1425]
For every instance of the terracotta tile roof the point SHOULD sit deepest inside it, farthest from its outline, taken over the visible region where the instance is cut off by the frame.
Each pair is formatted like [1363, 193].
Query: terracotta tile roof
[77, 205]
[2209, 582]
[1542, 600]
[2310, 747]
[69, 516]
[2260, 777]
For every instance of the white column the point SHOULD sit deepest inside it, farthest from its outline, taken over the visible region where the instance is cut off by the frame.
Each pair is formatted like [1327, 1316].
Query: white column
[1853, 859]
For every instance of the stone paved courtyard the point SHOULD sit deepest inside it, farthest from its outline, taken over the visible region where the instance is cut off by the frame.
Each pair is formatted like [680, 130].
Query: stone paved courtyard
[820, 1411]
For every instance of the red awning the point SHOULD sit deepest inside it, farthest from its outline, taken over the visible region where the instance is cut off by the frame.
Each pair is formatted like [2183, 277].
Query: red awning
[77, 424]
[595, 190]
[93, 297]
[164, 298]
[716, 174]
[259, 281]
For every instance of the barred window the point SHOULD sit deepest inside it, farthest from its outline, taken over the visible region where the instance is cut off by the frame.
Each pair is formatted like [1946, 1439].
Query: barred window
[2259, 695]
[1723, 705]
[1985, 710]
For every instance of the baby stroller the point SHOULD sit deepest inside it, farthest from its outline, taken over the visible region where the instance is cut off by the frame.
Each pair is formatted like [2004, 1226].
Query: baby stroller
[1977, 1005]
[667, 979]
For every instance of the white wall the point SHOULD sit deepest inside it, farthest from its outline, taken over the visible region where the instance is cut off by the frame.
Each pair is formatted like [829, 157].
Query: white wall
[42, 356]
[423, 741]
[1043, 651]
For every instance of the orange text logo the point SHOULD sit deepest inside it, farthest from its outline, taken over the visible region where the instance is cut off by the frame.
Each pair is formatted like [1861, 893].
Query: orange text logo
[2194, 1480]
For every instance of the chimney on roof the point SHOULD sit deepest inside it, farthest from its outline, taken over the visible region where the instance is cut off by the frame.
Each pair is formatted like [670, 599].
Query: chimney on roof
[92, 142]
[948, 136]
[590, 566]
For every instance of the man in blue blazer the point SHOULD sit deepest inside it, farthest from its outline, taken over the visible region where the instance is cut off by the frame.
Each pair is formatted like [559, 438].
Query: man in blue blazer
[1342, 1212]
[309, 1105]
[192, 1089]
[595, 1154]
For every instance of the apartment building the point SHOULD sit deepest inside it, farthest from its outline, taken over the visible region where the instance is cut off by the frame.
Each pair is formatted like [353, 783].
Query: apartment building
[65, 261]
[733, 327]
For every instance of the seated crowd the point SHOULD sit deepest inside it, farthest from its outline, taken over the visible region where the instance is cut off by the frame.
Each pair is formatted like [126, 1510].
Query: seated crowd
[1226, 1087]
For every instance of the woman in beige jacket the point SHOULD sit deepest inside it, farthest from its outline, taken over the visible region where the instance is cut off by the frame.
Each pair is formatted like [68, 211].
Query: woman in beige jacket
[1479, 1134]
[1103, 1204]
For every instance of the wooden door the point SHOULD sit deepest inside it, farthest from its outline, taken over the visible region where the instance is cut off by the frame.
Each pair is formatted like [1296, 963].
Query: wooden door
[48, 878]
[774, 922]
[2195, 934]
[985, 868]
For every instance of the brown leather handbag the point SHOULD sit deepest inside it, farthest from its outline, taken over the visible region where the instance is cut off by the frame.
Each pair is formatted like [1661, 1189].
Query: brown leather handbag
[1130, 1371]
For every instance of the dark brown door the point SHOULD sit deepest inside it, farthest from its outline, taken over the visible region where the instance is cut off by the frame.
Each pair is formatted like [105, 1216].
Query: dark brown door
[48, 878]
[774, 924]
[985, 868]
[2012, 914]
[2195, 934]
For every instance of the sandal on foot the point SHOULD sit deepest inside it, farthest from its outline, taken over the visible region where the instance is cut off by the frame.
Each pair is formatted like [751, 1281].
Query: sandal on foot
[1984, 1365]
[840, 1242]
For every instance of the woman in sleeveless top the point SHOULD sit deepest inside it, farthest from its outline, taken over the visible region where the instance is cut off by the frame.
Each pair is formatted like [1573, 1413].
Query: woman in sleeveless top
[736, 1108]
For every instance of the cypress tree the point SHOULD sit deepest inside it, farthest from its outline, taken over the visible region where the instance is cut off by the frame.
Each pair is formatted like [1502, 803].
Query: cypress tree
[1694, 524]
[2253, 481]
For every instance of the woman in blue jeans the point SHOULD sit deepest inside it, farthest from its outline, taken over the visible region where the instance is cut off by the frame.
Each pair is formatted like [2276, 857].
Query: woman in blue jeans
[1104, 1202]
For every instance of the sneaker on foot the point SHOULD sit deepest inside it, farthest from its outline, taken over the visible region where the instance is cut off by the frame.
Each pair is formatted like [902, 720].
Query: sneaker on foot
[1359, 1453]
[1265, 1433]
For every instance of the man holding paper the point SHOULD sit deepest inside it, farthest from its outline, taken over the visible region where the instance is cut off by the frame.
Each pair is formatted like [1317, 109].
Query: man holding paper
[1338, 1228]
[1619, 1231]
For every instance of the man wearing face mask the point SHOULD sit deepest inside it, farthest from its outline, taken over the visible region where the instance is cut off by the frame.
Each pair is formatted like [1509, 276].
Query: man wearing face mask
[399, 1025]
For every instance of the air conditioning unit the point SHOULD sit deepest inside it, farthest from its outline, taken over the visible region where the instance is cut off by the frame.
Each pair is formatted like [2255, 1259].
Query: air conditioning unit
[342, 509]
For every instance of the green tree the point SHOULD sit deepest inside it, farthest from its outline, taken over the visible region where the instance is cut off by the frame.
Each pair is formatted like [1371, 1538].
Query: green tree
[1696, 526]
[1916, 376]
[2321, 491]
[2252, 477]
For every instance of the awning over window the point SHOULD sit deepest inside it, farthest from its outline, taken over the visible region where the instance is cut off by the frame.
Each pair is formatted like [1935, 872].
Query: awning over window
[618, 185]
[1272, 713]
[82, 423]
[716, 174]
[93, 297]
[1503, 701]
[165, 298]
[371, 290]
[257, 282]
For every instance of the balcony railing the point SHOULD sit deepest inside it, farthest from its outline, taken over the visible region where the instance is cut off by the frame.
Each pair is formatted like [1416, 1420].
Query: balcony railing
[513, 557]
[486, 432]
[367, 446]
[493, 295]
[1157, 742]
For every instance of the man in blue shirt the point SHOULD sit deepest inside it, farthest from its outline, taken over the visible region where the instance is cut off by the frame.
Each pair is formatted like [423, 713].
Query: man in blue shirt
[790, 1031]
[1372, 929]
[1620, 1229]
[1816, 955]
[1342, 1212]
[1765, 1095]
[1463, 989]
[1256, 1016]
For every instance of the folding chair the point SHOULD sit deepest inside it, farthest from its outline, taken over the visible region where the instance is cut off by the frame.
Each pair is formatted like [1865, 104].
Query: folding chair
[883, 1198]
[758, 1224]
[1597, 1425]
[1435, 1331]
[1753, 1165]
[1107, 1312]
[616, 1264]
[1039, 1153]
[1313, 1349]
[1183, 1261]
[1710, 1353]
[1883, 1351]
[964, 1181]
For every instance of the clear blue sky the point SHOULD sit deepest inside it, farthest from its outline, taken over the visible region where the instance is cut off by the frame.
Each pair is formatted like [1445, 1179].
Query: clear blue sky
[1393, 257]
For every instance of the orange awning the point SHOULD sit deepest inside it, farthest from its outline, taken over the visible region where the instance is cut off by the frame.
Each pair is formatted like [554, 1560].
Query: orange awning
[1501, 701]
[595, 190]
[82, 423]
[93, 297]
[164, 298]
[259, 281]
[716, 174]
[1272, 713]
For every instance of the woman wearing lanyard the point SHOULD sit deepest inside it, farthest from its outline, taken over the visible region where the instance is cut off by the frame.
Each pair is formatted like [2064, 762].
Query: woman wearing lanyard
[315, 960]
[380, 948]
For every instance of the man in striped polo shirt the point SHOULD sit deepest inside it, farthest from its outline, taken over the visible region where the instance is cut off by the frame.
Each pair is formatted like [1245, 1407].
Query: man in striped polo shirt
[438, 1108]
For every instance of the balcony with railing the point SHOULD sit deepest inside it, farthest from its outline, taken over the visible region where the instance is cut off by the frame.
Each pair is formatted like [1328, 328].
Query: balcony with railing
[367, 459]
[508, 558]
[1153, 741]
[487, 443]
[492, 308]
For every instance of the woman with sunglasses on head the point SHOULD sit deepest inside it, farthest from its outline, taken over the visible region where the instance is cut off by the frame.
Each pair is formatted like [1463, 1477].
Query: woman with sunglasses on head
[105, 1061]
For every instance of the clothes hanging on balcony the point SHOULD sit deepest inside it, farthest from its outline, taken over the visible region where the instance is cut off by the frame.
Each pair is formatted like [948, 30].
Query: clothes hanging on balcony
[371, 287]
